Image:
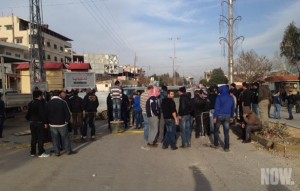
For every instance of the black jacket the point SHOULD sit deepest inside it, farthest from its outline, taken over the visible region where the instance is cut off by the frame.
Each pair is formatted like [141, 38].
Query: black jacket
[168, 108]
[76, 104]
[184, 105]
[200, 105]
[90, 102]
[36, 111]
[57, 112]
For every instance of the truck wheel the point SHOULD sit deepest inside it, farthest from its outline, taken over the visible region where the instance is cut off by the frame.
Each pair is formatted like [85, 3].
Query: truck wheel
[104, 115]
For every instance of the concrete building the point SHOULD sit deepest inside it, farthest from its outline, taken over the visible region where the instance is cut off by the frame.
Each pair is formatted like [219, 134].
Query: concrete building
[100, 63]
[11, 55]
[16, 30]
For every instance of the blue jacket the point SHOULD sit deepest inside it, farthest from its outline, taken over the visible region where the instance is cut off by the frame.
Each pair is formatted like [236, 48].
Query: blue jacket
[224, 103]
[137, 103]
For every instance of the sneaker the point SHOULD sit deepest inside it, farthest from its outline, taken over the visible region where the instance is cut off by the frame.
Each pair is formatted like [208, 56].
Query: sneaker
[93, 138]
[226, 150]
[44, 155]
[32, 155]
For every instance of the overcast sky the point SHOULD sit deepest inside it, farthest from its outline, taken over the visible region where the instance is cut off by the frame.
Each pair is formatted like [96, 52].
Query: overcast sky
[145, 27]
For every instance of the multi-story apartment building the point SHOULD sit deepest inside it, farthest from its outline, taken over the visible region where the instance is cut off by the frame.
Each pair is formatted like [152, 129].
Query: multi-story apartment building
[10, 55]
[100, 63]
[57, 47]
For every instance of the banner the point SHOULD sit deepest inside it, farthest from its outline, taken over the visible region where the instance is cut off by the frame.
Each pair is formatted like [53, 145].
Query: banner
[79, 80]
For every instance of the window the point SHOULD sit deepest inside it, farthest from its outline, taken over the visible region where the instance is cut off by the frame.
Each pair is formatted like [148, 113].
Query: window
[48, 57]
[9, 27]
[61, 48]
[55, 58]
[8, 53]
[18, 55]
[19, 40]
[48, 45]
[3, 39]
[55, 46]
[62, 60]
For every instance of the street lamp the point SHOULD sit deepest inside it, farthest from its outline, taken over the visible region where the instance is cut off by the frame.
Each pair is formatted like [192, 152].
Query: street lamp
[174, 56]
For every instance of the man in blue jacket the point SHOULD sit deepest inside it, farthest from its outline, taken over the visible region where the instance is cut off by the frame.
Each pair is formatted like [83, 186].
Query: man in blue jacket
[224, 113]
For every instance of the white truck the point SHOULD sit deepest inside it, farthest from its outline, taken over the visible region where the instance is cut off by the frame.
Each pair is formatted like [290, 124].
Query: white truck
[15, 102]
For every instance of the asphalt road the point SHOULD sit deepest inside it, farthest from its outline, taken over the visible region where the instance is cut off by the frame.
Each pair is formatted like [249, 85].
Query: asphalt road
[122, 162]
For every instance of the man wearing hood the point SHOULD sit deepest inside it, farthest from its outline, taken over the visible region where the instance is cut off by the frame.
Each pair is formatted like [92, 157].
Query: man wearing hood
[224, 113]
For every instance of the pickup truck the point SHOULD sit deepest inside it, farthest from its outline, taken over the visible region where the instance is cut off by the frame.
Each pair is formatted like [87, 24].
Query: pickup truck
[16, 102]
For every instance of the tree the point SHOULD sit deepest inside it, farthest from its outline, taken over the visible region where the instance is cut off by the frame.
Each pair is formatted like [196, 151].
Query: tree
[217, 77]
[203, 82]
[250, 67]
[290, 45]
[143, 80]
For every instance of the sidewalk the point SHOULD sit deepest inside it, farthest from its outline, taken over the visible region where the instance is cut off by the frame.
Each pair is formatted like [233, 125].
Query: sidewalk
[284, 115]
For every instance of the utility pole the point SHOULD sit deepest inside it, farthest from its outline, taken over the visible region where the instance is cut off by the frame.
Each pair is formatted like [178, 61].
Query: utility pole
[134, 68]
[173, 58]
[37, 71]
[230, 40]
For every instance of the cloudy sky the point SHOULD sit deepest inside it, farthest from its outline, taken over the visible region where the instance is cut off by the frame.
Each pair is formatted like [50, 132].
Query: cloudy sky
[152, 28]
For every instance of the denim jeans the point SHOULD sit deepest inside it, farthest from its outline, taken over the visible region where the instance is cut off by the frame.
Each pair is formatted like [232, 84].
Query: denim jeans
[222, 120]
[89, 120]
[255, 109]
[277, 109]
[146, 127]
[170, 137]
[185, 130]
[290, 107]
[199, 131]
[211, 120]
[138, 119]
[116, 109]
[56, 133]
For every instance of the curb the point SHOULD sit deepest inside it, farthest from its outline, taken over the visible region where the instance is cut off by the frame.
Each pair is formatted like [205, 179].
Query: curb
[270, 144]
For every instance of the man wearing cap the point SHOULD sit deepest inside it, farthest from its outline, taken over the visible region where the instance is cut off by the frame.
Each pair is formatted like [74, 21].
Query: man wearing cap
[200, 108]
[184, 116]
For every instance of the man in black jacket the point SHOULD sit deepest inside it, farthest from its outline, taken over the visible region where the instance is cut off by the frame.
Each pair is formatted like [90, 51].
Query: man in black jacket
[170, 117]
[38, 125]
[90, 105]
[184, 116]
[58, 115]
[76, 107]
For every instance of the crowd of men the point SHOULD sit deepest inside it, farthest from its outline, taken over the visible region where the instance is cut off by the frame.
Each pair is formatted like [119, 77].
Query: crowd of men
[205, 112]
[51, 114]
[156, 112]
